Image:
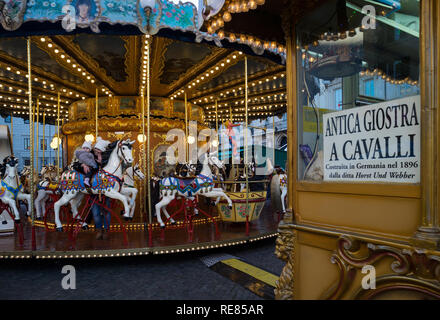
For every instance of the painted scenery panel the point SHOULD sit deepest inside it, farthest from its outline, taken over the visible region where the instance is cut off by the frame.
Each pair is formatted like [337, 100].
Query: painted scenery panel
[157, 104]
[81, 107]
[179, 106]
[194, 112]
[127, 103]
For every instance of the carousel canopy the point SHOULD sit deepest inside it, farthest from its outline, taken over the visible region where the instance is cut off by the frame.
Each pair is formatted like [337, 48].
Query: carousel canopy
[196, 48]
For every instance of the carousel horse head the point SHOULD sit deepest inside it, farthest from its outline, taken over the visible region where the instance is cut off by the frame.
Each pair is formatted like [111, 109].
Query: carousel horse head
[125, 151]
[137, 172]
[213, 160]
[10, 166]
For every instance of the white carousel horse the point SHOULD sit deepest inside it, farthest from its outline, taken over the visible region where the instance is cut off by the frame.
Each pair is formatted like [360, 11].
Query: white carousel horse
[47, 186]
[278, 183]
[10, 187]
[203, 184]
[128, 188]
[107, 181]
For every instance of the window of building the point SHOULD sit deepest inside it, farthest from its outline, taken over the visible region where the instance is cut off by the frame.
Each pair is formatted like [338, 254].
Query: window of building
[43, 144]
[338, 99]
[27, 143]
[371, 75]
[369, 88]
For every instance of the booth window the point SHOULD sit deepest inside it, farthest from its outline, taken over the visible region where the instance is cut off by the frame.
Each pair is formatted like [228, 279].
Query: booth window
[358, 92]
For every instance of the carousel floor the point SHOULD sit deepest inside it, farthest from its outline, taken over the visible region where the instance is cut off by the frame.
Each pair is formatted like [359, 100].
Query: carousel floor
[50, 244]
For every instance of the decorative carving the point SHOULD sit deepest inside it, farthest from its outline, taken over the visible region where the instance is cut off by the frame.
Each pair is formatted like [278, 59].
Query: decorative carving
[285, 250]
[11, 14]
[414, 269]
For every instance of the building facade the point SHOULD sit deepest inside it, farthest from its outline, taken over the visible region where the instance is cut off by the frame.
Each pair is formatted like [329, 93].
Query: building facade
[21, 142]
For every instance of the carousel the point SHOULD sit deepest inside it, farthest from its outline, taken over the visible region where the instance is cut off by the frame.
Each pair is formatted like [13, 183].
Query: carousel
[154, 104]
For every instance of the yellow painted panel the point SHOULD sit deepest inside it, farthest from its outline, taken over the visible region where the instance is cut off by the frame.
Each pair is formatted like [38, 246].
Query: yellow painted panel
[372, 214]
[255, 272]
[317, 273]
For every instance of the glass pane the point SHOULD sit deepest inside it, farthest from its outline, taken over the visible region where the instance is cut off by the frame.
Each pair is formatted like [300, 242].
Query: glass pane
[357, 59]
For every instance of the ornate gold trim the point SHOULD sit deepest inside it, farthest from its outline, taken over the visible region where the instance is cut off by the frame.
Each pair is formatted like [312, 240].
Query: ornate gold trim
[285, 250]
[410, 265]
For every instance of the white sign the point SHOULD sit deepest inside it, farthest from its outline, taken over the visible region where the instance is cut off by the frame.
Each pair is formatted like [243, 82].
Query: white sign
[379, 142]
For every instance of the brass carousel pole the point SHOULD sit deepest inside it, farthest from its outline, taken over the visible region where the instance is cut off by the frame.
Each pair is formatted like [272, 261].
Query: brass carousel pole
[147, 162]
[12, 129]
[141, 156]
[216, 124]
[58, 137]
[246, 141]
[186, 130]
[38, 133]
[44, 137]
[273, 140]
[96, 116]
[31, 133]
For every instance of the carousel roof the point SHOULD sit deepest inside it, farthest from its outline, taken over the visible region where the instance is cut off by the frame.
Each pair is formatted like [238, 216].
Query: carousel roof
[76, 65]
[198, 55]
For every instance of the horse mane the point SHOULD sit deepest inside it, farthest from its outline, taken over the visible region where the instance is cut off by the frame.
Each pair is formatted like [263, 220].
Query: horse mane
[2, 170]
[108, 151]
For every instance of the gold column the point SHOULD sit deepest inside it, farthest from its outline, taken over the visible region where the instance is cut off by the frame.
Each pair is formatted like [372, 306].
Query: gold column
[292, 145]
[428, 234]
[31, 130]
[59, 139]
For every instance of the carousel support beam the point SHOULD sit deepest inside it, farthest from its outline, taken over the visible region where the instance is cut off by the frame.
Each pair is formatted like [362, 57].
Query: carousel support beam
[31, 133]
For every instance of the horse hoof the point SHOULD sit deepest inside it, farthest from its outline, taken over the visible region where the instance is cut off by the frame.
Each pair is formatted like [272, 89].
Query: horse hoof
[17, 221]
[126, 219]
[162, 227]
[86, 227]
[230, 207]
[173, 222]
[59, 229]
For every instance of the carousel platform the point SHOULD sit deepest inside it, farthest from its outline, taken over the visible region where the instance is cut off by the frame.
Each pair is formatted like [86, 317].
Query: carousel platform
[172, 239]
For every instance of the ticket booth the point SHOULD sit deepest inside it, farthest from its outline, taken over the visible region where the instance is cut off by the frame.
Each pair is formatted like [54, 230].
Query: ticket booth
[362, 84]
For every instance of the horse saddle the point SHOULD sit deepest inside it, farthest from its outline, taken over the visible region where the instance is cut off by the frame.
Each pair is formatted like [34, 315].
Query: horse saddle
[184, 183]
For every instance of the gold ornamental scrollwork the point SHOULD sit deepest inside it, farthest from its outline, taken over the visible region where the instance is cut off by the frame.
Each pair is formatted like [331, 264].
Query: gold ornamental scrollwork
[413, 270]
[285, 250]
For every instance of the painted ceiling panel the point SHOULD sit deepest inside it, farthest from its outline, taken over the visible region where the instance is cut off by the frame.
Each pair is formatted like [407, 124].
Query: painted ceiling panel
[16, 47]
[181, 56]
[108, 51]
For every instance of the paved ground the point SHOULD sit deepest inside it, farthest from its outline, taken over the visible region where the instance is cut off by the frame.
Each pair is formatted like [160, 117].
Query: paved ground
[179, 276]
